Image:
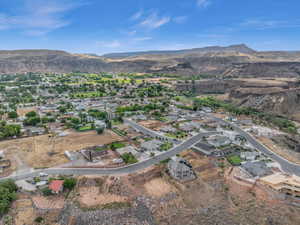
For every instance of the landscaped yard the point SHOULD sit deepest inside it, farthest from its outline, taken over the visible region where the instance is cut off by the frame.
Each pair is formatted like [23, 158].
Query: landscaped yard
[234, 160]
[119, 132]
[85, 128]
[117, 145]
[166, 146]
[129, 158]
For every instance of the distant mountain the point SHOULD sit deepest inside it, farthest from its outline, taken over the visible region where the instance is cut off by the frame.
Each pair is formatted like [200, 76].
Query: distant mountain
[231, 61]
[242, 48]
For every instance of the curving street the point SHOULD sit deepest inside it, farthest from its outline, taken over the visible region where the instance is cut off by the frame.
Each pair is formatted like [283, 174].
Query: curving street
[286, 165]
[116, 171]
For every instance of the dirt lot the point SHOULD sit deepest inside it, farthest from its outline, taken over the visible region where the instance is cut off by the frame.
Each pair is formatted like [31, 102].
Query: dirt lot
[90, 197]
[25, 213]
[158, 187]
[95, 192]
[42, 151]
[152, 124]
[52, 202]
[23, 111]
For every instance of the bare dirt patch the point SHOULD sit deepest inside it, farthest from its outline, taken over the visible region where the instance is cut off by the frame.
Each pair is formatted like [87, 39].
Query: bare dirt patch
[90, 197]
[24, 111]
[151, 124]
[94, 192]
[43, 151]
[25, 212]
[158, 187]
[51, 202]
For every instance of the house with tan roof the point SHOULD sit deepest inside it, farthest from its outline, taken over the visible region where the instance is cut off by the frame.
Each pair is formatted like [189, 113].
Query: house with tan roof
[288, 184]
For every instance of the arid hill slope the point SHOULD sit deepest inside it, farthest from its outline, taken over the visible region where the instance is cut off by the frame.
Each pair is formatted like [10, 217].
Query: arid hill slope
[232, 61]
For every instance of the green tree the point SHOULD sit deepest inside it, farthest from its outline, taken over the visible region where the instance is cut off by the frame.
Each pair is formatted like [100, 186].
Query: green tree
[70, 183]
[12, 115]
[31, 114]
[7, 195]
[100, 130]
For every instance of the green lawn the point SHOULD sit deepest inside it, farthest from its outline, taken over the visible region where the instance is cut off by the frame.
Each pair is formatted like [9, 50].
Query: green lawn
[117, 145]
[234, 160]
[85, 128]
[178, 135]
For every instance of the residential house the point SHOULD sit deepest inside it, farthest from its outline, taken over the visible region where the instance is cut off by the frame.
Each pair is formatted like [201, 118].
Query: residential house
[204, 148]
[151, 146]
[127, 149]
[168, 129]
[180, 169]
[93, 155]
[288, 184]
[218, 140]
[187, 126]
[249, 156]
[139, 117]
[56, 186]
[35, 131]
[257, 168]
[100, 124]
[206, 109]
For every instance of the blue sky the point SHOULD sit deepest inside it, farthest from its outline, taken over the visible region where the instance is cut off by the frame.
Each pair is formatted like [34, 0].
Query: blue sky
[100, 26]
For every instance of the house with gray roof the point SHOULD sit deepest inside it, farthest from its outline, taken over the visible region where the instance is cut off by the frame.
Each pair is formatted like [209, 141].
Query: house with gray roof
[180, 169]
[168, 129]
[127, 149]
[257, 169]
[218, 140]
[189, 126]
[152, 145]
[249, 156]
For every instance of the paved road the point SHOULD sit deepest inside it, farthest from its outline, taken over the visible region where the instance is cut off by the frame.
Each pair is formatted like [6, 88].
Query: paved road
[286, 165]
[149, 132]
[121, 170]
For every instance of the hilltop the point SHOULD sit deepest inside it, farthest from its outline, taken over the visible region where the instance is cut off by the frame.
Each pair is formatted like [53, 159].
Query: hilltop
[231, 61]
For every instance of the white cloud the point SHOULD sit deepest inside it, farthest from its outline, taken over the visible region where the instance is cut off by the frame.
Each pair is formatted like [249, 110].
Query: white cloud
[203, 3]
[131, 33]
[137, 15]
[142, 39]
[109, 44]
[269, 24]
[180, 19]
[154, 21]
[38, 17]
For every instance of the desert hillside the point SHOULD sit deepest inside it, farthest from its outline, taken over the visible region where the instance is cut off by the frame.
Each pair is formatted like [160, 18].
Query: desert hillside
[232, 61]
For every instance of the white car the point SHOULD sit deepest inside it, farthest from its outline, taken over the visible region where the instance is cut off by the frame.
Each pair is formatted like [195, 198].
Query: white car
[43, 175]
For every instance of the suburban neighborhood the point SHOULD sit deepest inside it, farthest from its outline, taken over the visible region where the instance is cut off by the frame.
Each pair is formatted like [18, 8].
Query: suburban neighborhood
[63, 127]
